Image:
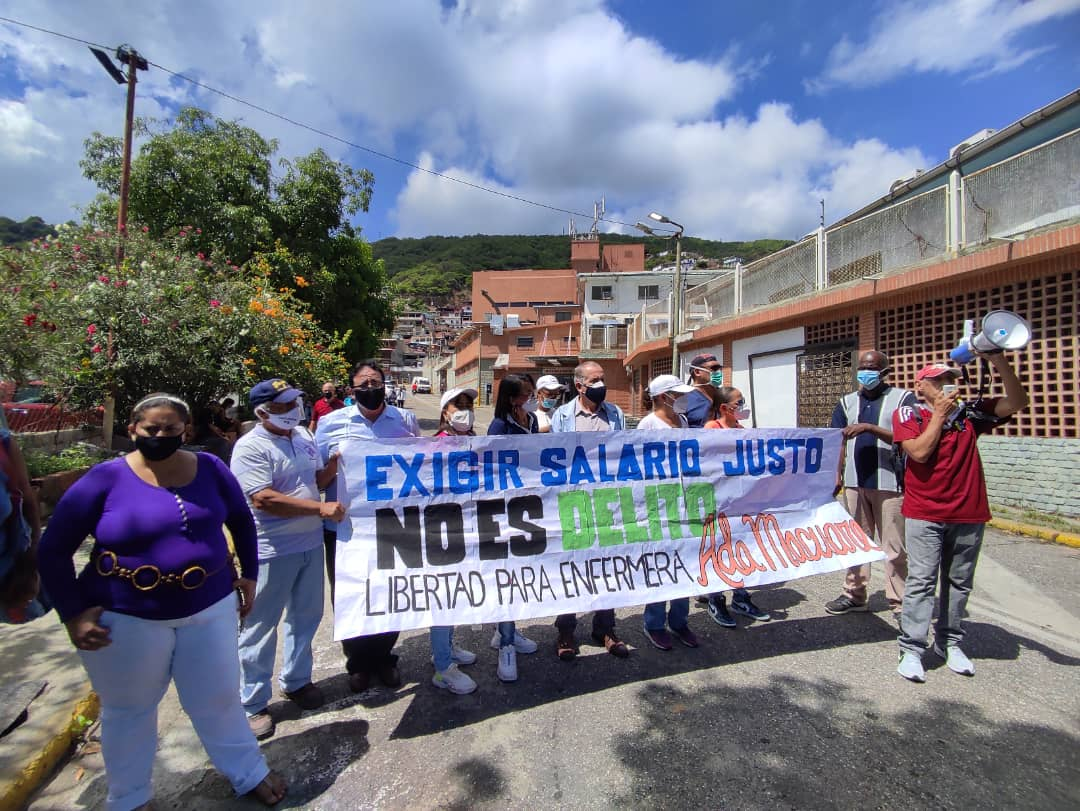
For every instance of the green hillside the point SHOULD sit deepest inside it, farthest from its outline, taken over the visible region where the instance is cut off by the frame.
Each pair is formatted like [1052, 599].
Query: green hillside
[12, 233]
[438, 270]
[481, 252]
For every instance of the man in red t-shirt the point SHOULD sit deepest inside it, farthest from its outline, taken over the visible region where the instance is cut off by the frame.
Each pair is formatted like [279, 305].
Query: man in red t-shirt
[325, 404]
[945, 507]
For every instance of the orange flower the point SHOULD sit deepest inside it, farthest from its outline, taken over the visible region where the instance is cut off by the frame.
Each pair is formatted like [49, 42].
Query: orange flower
[284, 350]
[300, 281]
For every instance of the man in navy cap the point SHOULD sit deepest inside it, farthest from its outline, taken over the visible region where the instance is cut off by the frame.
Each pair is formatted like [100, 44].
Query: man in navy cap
[281, 472]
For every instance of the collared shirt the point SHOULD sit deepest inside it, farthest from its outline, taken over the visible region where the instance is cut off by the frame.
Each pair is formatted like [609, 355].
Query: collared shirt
[350, 423]
[565, 417]
[696, 406]
[585, 420]
[264, 460]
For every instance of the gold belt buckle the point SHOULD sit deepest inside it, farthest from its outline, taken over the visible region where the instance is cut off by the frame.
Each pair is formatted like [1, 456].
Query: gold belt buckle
[111, 556]
[198, 570]
[154, 570]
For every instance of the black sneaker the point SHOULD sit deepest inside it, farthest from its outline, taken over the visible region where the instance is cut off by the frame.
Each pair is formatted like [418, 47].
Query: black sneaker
[845, 605]
[718, 611]
[746, 607]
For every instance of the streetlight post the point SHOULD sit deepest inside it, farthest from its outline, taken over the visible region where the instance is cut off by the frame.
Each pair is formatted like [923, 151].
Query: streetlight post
[676, 285]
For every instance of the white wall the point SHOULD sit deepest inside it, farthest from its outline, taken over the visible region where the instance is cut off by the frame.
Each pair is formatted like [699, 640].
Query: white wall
[774, 377]
[686, 357]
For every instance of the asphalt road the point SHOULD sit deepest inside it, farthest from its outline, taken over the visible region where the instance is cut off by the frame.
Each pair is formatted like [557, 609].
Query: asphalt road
[805, 711]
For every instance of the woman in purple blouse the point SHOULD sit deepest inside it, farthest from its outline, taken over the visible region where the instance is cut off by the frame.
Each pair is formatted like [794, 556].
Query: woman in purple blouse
[156, 603]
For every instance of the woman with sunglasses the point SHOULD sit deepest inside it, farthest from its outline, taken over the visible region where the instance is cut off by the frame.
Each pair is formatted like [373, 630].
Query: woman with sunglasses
[157, 603]
[732, 410]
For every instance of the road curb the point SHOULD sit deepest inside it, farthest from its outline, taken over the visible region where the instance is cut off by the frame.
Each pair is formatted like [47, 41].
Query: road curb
[1042, 533]
[63, 730]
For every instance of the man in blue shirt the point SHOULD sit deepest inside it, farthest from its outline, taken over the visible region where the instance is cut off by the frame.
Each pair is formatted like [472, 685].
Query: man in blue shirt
[872, 478]
[371, 418]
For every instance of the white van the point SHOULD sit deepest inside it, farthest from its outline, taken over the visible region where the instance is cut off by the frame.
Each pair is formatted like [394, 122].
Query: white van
[421, 385]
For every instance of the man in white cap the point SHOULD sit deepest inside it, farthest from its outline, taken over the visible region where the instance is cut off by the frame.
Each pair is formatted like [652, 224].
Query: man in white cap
[945, 507]
[549, 393]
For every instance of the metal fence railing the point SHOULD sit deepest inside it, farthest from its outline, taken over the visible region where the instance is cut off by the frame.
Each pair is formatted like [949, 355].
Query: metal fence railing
[1026, 191]
[1032, 189]
[907, 233]
[780, 276]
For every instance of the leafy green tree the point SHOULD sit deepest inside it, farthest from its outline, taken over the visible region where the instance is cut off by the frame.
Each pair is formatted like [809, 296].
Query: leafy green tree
[13, 233]
[168, 318]
[219, 175]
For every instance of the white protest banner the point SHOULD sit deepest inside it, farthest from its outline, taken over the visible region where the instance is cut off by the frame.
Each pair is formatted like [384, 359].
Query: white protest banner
[458, 530]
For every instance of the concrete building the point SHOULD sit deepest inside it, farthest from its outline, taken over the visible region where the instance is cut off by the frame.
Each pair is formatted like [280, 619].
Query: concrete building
[995, 226]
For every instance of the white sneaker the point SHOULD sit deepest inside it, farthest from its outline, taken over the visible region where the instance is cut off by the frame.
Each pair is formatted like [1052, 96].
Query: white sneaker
[911, 667]
[453, 680]
[507, 663]
[521, 644]
[956, 660]
[459, 656]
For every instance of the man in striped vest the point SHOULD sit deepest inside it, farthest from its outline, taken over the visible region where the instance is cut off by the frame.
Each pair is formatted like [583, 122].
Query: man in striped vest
[872, 478]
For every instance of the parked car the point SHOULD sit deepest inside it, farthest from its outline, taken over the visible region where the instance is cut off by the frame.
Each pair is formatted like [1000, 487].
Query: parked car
[31, 407]
[421, 385]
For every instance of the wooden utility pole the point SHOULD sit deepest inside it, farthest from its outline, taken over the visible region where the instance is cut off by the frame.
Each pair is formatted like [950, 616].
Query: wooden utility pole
[130, 57]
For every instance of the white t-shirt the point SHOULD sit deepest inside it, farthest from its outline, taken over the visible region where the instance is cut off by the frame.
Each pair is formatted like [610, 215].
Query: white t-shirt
[543, 421]
[652, 422]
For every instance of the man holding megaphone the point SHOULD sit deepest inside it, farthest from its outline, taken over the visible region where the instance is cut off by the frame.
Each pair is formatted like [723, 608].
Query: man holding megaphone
[945, 505]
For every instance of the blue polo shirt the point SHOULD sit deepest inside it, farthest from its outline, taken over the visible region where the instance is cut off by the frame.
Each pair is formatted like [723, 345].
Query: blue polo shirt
[350, 423]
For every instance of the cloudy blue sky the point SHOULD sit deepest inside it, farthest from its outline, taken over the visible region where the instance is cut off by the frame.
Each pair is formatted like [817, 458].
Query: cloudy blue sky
[733, 117]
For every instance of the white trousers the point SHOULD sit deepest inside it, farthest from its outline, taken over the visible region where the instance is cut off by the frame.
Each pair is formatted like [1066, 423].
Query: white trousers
[198, 653]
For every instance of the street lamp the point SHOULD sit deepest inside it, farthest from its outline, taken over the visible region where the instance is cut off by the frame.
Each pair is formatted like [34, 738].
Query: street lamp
[676, 284]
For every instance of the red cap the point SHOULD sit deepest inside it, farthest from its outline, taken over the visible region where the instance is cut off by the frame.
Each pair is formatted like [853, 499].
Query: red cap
[936, 370]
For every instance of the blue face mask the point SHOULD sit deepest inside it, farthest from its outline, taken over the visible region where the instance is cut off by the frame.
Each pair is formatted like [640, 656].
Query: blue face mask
[868, 378]
[550, 404]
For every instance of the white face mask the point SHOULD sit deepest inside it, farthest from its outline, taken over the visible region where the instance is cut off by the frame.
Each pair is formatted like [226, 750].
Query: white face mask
[530, 405]
[462, 421]
[287, 421]
[742, 413]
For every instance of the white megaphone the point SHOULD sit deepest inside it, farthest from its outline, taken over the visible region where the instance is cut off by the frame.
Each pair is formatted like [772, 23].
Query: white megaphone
[1001, 330]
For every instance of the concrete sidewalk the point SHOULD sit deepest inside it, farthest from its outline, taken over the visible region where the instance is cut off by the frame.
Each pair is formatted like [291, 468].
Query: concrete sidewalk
[40, 652]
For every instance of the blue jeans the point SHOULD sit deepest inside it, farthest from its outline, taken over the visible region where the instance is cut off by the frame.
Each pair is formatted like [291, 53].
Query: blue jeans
[676, 615]
[506, 633]
[292, 584]
[936, 551]
[198, 654]
[442, 646]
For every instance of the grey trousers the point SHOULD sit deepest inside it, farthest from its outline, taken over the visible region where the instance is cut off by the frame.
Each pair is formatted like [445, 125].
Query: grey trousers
[952, 550]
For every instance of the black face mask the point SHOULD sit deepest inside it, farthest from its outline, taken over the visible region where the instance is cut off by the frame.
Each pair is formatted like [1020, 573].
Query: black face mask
[371, 399]
[158, 448]
[596, 393]
[328, 395]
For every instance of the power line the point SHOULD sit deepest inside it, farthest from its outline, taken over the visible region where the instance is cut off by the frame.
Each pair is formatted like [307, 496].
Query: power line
[58, 34]
[330, 135]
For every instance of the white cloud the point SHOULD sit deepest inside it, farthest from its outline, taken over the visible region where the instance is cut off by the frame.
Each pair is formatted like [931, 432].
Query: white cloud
[950, 36]
[552, 100]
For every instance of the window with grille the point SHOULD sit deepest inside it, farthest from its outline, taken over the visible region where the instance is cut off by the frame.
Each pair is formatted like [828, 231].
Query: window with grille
[601, 292]
[1049, 367]
[822, 379]
[648, 292]
[525, 342]
[563, 315]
